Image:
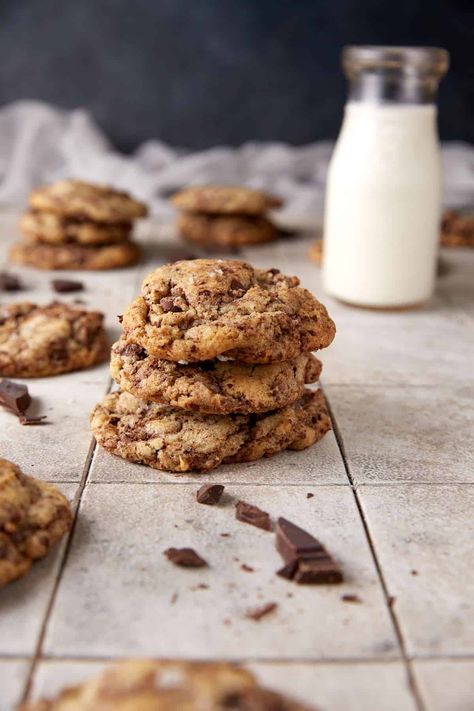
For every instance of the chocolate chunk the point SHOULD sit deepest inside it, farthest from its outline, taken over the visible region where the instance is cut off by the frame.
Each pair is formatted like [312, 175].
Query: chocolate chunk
[414, 572]
[247, 568]
[236, 285]
[391, 600]
[168, 304]
[185, 557]
[16, 398]
[317, 572]
[252, 514]
[309, 495]
[350, 598]
[307, 561]
[9, 282]
[209, 494]
[292, 542]
[64, 286]
[119, 318]
[288, 570]
[257, 613]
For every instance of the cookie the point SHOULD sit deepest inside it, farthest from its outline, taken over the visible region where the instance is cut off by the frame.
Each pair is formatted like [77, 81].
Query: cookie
[155, 685]
[50, 228]
[87, 201]
[37, 341]
[225, 230]
[315, 252]
[33, 517]
[213, 387]
[200, 309]
[178, 441]
[457, 228]
[75, 256]
[225, 200]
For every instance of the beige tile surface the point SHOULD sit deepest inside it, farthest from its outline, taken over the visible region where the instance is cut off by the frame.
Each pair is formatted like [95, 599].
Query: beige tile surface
[23, 603]
[447, 684]
[428, 529]
[13, 674]
[391, 435]
[123, 586]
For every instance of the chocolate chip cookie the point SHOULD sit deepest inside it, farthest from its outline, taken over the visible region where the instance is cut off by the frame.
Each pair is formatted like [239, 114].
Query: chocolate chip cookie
[87, 201]
[33, 517]
[51, 228]
[175, 440]
[75, 256]
[197, 310]
[38, 341]
[225, 199]
[213, 387]
[457, 228]
[315, 252]
[225, 230]
[152, 685]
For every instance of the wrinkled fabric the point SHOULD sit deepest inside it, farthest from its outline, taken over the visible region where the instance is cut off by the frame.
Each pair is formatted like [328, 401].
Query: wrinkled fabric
[41, 143]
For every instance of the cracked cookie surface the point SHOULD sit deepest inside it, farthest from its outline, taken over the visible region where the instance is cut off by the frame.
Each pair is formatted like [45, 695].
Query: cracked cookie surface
[76, 198]
[197, 310]
[149, 685]
[225, 230]
[38, 341]
[33, 517]
[75, 256]
[51, 228]
[214, 387]
[225, 199]
[175, 440]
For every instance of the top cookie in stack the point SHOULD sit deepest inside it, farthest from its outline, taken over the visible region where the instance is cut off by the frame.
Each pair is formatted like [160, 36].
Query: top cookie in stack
[78, 225]
[212, 364]
[225, 216]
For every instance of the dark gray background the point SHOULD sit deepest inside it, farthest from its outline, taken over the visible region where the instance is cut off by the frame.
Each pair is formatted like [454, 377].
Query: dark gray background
[204, 72]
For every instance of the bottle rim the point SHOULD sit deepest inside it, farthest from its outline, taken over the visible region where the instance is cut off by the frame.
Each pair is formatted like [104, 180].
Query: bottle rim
[432, 61]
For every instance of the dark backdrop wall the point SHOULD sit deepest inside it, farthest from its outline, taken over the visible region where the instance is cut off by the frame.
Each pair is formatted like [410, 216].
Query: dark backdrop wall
[203, 72]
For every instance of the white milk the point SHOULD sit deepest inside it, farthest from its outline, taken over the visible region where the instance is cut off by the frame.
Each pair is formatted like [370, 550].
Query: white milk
[382, 206]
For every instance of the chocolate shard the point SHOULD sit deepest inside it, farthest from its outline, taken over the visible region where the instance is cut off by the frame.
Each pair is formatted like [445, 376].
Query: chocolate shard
[288, 570]
[15, 398]
[252, 514]
[293, 542]
[9, 282]
[64, 286]
[209, 494]
[185, 557]
[350, 597]
[307, 561]
[317, 572]
[257, 613]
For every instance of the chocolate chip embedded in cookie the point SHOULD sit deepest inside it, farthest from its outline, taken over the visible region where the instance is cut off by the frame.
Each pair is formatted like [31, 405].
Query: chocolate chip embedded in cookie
[200, 309]
[225, 230]
[75, 256]
[78, 199]
[38, 341]
[51, 228]
[214, 387]
[150, 685]
[33, 517]
[175, 440]
[225, 199]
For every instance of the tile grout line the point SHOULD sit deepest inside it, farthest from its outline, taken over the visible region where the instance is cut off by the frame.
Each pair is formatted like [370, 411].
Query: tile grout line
[412, 682]
[38, 652]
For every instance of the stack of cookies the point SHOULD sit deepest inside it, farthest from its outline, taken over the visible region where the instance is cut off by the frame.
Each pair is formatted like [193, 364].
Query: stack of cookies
[212, 367]
[77, 225]
[225, 217]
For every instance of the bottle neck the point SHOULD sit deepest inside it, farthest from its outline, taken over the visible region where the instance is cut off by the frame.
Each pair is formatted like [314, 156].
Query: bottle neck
[387, 87]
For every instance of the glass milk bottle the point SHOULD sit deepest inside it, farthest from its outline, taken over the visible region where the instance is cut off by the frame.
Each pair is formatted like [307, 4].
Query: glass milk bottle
[383, 195]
